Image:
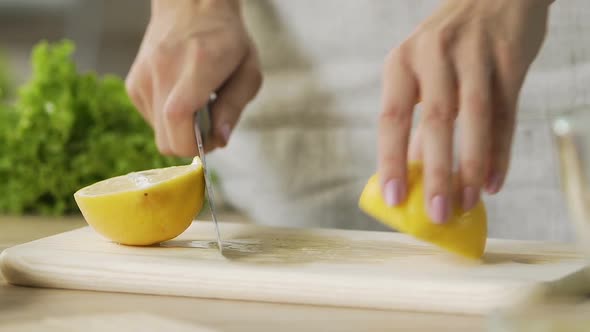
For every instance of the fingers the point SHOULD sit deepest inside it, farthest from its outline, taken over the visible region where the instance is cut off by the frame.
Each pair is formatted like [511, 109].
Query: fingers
[399, 96]
[188, 53]
[192, 89]
[503, 125]
[232, 98]
[507, 81]
[161, 135]
[146, 98]
[475, 122]
[177, 114]
[438, 92]
[469, 60]
[138, 86]
[160, 92]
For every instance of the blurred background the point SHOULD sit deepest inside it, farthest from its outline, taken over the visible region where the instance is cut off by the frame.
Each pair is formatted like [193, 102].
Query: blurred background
[106, 33]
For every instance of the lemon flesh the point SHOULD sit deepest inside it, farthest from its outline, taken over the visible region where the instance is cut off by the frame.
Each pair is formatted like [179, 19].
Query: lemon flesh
[465, 233]
[146, 207]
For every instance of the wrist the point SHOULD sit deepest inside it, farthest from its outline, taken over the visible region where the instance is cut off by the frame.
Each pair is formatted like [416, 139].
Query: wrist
[161, 6]
[537, 3]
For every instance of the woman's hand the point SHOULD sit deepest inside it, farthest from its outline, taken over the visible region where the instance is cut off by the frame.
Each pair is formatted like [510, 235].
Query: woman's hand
[466, 62]
[190, 50]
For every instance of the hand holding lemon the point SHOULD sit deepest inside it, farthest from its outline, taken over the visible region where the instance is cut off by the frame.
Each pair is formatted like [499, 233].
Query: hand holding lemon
[464, 234]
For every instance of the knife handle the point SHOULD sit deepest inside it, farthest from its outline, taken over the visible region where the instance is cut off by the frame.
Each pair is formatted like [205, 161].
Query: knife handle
[203, 119]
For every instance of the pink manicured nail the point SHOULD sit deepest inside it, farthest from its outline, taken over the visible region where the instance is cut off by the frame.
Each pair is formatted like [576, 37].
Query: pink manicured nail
[226, 132]
[494, 183]
[439, 209]
[470, 198]
[394, 192]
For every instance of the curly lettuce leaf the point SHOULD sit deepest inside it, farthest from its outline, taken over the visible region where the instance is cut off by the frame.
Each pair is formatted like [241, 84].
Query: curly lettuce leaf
[68, 130]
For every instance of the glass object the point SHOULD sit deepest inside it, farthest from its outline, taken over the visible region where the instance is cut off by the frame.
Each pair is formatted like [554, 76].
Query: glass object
[571, 131]
[571, 135]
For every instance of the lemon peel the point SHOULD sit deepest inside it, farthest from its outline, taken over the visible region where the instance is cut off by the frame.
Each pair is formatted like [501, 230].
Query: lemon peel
[145, 207]
[465, 233]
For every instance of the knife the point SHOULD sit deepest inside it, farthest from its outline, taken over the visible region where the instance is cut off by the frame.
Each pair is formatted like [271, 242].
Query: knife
[202, 126]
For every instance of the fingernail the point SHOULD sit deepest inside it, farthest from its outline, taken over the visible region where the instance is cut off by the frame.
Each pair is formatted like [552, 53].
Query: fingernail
[470, 198]
[439, 209]
[494, 183]
[226, 132]
[394, 192]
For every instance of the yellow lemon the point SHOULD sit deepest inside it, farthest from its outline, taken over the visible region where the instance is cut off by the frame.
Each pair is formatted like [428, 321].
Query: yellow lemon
[146, 207]
[465, 233]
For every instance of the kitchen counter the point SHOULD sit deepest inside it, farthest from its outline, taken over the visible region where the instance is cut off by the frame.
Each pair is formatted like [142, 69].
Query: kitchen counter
[28, 309]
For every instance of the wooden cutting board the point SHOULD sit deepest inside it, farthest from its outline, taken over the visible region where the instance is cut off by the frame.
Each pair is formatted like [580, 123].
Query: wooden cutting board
[381, 270]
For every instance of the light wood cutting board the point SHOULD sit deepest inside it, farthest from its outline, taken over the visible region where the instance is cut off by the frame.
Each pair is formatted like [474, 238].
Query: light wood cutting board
[381, 270]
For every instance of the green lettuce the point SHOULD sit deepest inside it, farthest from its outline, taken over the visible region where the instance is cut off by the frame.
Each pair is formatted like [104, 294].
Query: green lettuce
[66, 130]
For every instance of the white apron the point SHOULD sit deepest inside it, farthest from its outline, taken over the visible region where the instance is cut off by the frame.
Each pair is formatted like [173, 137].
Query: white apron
[304, 149]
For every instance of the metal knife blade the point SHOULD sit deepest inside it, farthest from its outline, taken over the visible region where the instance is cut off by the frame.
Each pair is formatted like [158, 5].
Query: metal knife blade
[202, 126]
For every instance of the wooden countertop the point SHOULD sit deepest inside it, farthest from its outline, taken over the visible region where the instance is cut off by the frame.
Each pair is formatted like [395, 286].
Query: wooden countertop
[25, 309]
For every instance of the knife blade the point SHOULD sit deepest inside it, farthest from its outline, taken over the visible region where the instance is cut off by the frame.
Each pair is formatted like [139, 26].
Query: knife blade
[202, 127]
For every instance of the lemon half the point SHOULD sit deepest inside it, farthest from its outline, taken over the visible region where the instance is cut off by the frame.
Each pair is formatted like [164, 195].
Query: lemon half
[465, 233]
[146, 207]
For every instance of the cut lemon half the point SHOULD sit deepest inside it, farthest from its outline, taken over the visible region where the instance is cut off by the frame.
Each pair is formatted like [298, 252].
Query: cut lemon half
[465, 233]
[146, 207]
